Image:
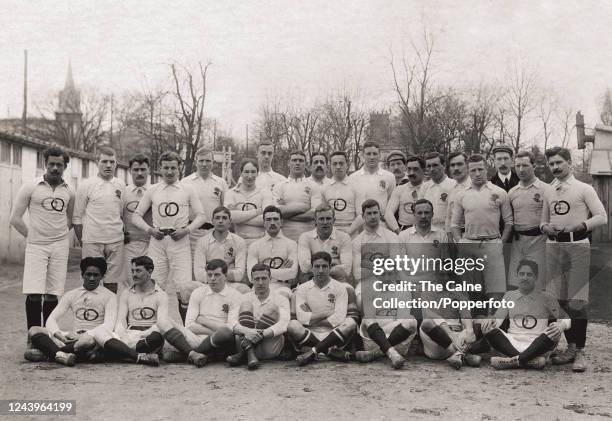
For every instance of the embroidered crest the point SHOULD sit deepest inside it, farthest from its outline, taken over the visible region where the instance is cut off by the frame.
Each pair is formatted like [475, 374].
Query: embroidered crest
[307, 190]
[225, 308]
[443, 197]
[334, 250]
[383, 184]
[331, 298]
[436, 244]
[217, 191]
[230, 252]
[118, 193]
[536, 197]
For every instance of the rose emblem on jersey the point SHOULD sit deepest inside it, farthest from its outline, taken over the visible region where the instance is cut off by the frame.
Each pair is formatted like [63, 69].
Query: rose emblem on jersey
[443, 197]
[217, 191]
[331, 298]
[436, 244]
[494, 198]
[536, 197]
[383, 184]
[230, 252]
[334, 250]
[307, 190]
[225, 308]
[118, 193]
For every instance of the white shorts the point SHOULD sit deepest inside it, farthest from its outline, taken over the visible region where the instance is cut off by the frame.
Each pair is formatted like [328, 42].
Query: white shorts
[433, 350]
[45, 268]
[131, 337]
[519, 342]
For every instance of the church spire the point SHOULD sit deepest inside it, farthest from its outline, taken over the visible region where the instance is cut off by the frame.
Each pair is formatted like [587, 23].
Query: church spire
[69, 79]
[69, 97]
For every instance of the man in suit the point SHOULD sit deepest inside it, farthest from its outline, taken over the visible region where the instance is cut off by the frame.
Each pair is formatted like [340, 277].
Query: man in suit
[505, 177]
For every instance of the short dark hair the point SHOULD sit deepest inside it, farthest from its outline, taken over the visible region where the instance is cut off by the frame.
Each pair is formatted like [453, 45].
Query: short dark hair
[422, 202]
[99, 262]
[339, 153]
[416, 158]
[105, 150]
[271, 209]
[320, 153]
[251, 161]
[145, 261]
[261, 267]
[476, 158]
[324, 207]
[434, 155]
[170, 156]
[369, 203]
[557, 150]
[297, 152]
[321, 255]
[140, 159]
[455, 154]
[526, 262]
[215, 264]
[370, 144]
[219, 209]
[56, 151]
[526, 154]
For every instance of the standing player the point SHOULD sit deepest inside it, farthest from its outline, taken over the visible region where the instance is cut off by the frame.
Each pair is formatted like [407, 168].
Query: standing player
[340, 194]
[171, 203]
[49, 202]
[481, 206]
[396, 163]
[400, 213]
[209, 188]
[321, 311]
[224, 245]
[136, 240]
[260, 323]
[246, 201]
[566, 221]
[504, 178]
[457, 163]
[527, 200]
[267, 177]
[372, 182]
[94, 309]
[98, 213]
[297, 197]
[438, 188]
[530, 333]
[318, 169]
[276, 251]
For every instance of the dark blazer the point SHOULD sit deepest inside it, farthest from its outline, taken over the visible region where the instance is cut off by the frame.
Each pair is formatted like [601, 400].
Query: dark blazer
[514, 180]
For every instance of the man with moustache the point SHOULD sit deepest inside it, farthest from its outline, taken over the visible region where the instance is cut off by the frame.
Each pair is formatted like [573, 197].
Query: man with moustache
[340, 195]
[98, 216]
[267, 178]
[527, 200]
[396, 164]
[504, 177]
[49, 202]
[318, 169]
[457, 163]
[571, 210]
[136, 241]
[297, 197]
[400, 213]
[437, 188]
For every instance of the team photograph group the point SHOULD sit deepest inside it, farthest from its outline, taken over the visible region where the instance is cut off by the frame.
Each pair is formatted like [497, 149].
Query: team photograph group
[279, 267]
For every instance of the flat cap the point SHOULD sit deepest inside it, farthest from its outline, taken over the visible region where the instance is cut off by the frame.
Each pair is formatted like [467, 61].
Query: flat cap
[396, 154]
[503, 148]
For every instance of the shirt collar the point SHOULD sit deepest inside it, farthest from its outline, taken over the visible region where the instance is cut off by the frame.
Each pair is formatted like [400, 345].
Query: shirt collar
[334, 181]
[133, 187]
[268, 237]
[332, 236]
[41, 179]
[212, 238]
[156, 289]
[223, 292]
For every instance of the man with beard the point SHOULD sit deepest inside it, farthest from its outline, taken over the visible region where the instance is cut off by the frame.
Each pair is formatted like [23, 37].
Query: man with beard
[571, 210]
[438, 188]
[98, 216]
[400, 212]
[267, 177]
[318, 169]
[457, 163]
[49, 202]
[136, 240]
[340, 194]
[396, 164]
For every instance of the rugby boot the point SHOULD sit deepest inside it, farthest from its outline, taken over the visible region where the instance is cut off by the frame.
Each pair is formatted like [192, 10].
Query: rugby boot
[197, 359]
[65, 358]
[307, 357]
[338, 354]
[397, 361]
[455, 360]
[369, 356]
[564, 357]
[35, 355]
[472, 360]
[503, 363]
[579, 365]
[252, 360]
[147, 359]
[537, 363]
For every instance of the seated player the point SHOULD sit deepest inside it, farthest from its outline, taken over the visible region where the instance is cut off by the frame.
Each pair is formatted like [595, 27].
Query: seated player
[93, 307]
[261, 321]
[530, 333]
[388, 328]
[136, 337]
[207, 325]
[321, 311]
[448, 333]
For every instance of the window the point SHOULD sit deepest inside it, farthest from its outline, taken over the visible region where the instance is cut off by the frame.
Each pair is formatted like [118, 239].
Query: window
[40, 160]
[5, 152]
[85, 168]
[17, 155]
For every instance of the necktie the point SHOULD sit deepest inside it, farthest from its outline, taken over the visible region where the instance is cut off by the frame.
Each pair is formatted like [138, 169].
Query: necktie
[506, 184]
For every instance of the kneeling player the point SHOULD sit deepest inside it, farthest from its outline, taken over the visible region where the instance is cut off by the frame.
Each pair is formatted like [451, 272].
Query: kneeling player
[530, 335]
[261, 322]
[136, 337]
[321, 311]
[94, 309]
[448, 333]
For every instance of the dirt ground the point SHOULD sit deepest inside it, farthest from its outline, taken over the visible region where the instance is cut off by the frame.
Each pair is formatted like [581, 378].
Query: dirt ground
[281, 390]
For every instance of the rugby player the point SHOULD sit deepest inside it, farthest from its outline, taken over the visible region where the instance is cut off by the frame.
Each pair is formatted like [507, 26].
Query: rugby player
[246, 202]
[297, 197]
[137, 337]
[50, 203]
[457, 167]
[171, 203]
[98, 216]
[261, 321]
[276, 251]
[94, 309]
[396, 164]
[321, 312]
[400, 213]
[136, 241]
[209, 188]
[438, 188]
[530, 333]
[341, 195]
[571, 210]
[224, 245]
[267, 177]
[318, 169]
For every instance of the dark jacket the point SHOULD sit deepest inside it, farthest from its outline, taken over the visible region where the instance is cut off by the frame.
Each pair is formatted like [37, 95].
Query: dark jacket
[514, 180]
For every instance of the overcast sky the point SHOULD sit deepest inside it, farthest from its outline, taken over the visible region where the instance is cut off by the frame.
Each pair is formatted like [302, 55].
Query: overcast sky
[302, 48]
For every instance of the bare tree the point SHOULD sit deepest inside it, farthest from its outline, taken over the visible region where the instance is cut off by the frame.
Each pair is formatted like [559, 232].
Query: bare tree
[567, 122]
[520, 102]
[482, 118]
[605, 113]
[547, 107]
